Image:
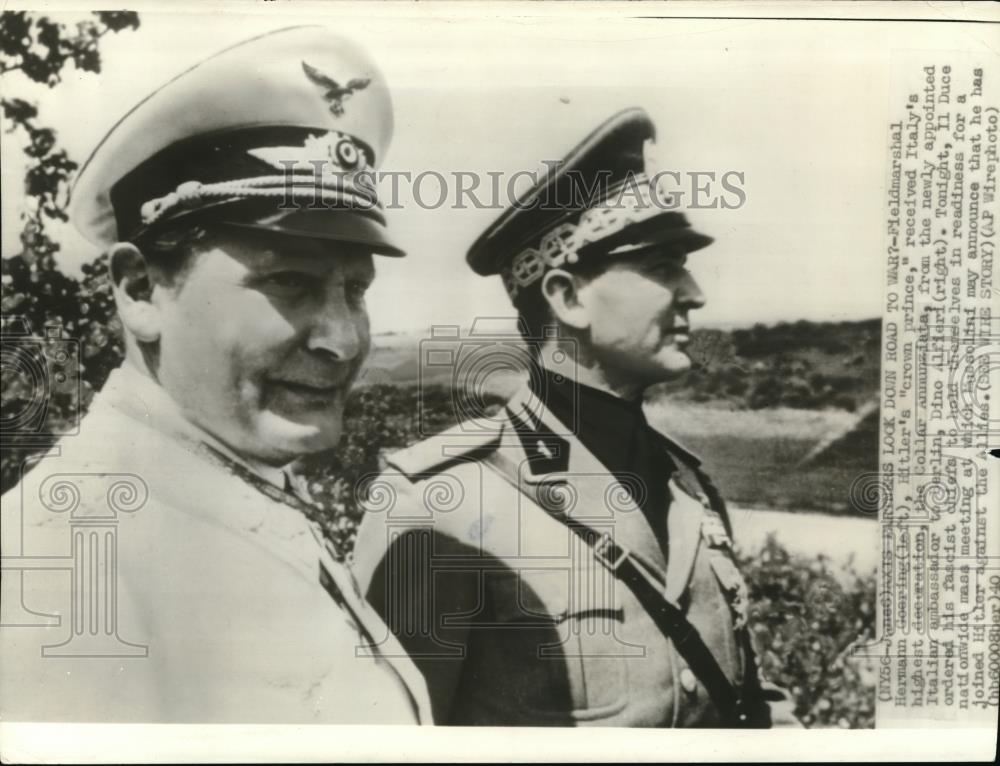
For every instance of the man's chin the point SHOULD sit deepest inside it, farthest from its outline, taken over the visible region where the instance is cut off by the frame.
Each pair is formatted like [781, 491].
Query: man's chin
[289, 439]
[672, 365]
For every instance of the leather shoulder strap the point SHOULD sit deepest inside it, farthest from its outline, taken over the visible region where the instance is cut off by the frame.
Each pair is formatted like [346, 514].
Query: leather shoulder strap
[670, 621]
[647, 585]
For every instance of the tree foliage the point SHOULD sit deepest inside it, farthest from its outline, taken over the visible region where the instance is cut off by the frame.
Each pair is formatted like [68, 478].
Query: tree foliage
[41, 49]
[807, 621]
[804, 618]
[36, 293]
[803, 365]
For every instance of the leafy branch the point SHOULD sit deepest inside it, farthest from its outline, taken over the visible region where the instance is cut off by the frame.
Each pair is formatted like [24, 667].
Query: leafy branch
[35, 291]
[41, 49]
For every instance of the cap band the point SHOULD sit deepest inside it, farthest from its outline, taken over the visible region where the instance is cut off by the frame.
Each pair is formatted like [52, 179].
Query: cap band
[562, 244]
[191, 195]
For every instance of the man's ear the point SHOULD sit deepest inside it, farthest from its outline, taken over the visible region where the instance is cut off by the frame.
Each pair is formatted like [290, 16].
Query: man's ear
[561, 290]
[133, 290]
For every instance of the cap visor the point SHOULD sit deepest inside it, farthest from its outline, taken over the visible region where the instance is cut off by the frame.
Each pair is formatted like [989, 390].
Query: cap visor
[336, 225]
[686, 240]
[669, 228]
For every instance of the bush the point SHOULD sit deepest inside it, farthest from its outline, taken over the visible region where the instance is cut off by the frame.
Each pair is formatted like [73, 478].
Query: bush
[765, 393]
[37, 295]
[805, 622]
[804, 619]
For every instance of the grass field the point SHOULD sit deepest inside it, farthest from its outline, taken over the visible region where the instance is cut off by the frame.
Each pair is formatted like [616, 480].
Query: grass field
[755, 456]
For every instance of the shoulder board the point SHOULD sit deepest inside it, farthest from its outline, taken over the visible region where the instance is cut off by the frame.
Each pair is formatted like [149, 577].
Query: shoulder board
[693, 479]
[442, 451]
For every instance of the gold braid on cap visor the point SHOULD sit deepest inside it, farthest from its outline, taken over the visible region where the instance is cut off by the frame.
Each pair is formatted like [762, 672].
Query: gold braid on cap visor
[562, 244]
[323, 172]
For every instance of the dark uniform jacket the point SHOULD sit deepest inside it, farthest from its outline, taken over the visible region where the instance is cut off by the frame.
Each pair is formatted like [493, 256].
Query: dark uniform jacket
[512, 620]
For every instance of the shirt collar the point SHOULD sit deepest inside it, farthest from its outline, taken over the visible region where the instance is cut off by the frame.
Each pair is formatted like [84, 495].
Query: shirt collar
[140, 397]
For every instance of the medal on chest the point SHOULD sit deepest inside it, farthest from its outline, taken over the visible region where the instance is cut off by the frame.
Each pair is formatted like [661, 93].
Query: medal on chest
[720, 558]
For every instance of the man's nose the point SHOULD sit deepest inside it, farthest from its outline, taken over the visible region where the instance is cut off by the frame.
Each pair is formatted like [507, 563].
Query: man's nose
[339, 330]
[690, 295]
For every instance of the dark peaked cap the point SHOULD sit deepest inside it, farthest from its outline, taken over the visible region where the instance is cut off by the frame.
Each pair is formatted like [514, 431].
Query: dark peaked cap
[598, 200]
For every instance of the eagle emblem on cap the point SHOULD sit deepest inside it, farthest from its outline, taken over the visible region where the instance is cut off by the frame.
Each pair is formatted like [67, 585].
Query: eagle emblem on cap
[333, 93]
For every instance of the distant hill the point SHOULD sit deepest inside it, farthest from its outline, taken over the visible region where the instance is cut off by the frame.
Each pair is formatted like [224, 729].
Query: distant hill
[805, 365]
[802, 365]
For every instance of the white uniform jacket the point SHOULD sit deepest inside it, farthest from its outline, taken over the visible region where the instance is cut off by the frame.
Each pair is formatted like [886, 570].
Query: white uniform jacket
[145, 580]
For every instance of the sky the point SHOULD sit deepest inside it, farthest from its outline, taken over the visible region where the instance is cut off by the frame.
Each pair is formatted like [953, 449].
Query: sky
[800, 108]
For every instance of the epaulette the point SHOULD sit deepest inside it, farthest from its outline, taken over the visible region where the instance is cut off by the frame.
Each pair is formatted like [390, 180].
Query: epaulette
[440, 452]
[695, 481]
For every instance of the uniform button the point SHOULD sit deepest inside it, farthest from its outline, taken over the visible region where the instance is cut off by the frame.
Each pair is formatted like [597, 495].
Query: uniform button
[688, 682]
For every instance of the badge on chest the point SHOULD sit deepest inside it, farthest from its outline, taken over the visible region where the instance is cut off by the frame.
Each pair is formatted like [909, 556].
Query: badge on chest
[720, 557]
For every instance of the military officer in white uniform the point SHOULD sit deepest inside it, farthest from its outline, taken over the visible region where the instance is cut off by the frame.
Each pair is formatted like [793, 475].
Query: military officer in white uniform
[563, 563]
[161, 565]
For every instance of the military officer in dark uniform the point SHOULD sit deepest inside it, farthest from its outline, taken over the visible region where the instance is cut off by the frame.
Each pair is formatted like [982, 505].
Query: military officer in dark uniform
[564, 563]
